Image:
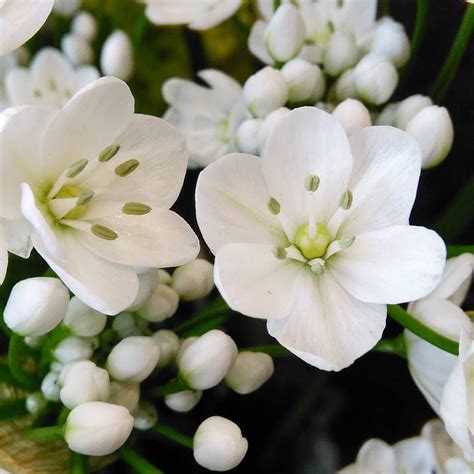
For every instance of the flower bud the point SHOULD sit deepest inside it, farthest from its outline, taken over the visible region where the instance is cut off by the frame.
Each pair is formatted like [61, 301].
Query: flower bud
[408, 108]
[77, 49]
[387, 116]
[247, 136]
[218, 444]
[185, 343]
[50, 386]
[194, 280]
[84, 24]
[164, 277]
[147, 283]
[206, 361]
[66, 7]
[345, 86]
[269, 124]
[35, 402]
[82, 320]
[352, 115]
[375, 79]
[161, 305]
[124, 394]
[84, 382]
[36, 306]
[265, 91]
[133, 359]
[168, 342]
[390, 40]
[433, 130]
[284, 35]
[182, 402]
[116, 57]
[249, 372]
[145, 416]
[97, 428]
[125, 325]
[73, 349]
[340, 53]
[305, 81]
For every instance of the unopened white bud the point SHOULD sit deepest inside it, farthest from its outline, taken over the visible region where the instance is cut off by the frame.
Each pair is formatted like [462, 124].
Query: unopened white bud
[305, 81]
[205, 362]
[184, 401]
[97, 428]
[345, 86]
[284, 35]
[66, 7]
[387, 116]
[36, 306]
[77, 49]
[35, 341]
[433, 130]
[390, 40]
[147, 283]
[265, 91]
[84, 24]
[145, 416]
[193, 280]
[84, 382]
[352, 115]
[408, 108]
[133, 359]
[269, 124]
[35, 402]
[124, 394]
[116, 57]
[50, 386]
[168, 342]
[73, 349]
[185, 343]
[375, 79]
[125, 325]
[340, 53]
[161, 305]
[164, 277]
[83, 320]
[249, 372]
[247, 136]
[218, 444]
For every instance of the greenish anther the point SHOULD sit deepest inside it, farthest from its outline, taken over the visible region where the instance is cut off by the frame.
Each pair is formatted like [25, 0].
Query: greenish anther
[126, 168]
[346, 241]
[346, 200]
[311, 183]
[84, 198]
[108, 153]
[103, 232]
[136, 208]
[76, 168]
[273, 206]
[279, 253]
[312, 245]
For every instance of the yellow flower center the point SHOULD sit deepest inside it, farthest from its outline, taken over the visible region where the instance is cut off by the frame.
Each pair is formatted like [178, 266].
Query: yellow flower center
[312, 244]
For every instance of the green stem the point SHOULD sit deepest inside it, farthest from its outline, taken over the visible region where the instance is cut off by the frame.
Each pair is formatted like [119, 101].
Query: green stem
[275, 350]
[138, 463]
[456, 52]
[16, 349]
[416, 327]
[174, 435]
[48, 433]
[173, 386]
[7, 376]
[395, 346]
[78, 464]
[13, 409]
[455, 250]
[140, 30]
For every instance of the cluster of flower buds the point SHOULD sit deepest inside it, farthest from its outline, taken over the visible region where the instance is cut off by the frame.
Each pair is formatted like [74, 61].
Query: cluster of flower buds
[77, 44]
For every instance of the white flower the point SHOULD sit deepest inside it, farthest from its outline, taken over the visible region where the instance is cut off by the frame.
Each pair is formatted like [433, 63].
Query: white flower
[66, 7]
[168, 342]
[352, 115]
[161, 305]
[182, 402]
[82, 320]
[218, 444]
[194, 280]
[20, 20]
[345, 87]
[198, 14]
[7, 62]
[124, 394]
[36, 306]
[73, 348]
[116, 57]
[84, 24]
[314, 235]
[208, 117]
[97, 428]
[268, 125]
[77, 49]
[95, 183]
[305, 81]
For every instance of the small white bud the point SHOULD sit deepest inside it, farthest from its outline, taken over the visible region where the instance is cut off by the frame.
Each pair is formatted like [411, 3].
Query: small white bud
[387, 116]
[284, 35]
[433, 130]
[147, 283]
[305, 81]
[409, 107]
[205, 362]
[83, 320]
[84, 382]
[218, 444]
[168, 342]
[375, 79]
[73, 349]
[185, 343]
[133, 359]
[247, 136]
[265, 91]
[145, 416]
[352, 115]
[340, 53]
[269, 124]
[116, 57]
[97, 428]
[36, 306]
[193, 280]
[50, 386]
[182, 402]
[161, 305]
[35, 341]
[125, 325]
[249, 372]
[66, 7]
[345, 86]
[164, 277]
[35, 402]
[390, 40]
[124, 394]
[84, 24]
[77, 49]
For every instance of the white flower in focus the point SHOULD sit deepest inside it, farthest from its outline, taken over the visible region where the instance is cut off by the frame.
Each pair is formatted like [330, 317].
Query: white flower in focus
[193, 280]
[20, 20]
[184, 401]
[314, 235]
[116, 57]
[197, 14]
[95, 183]
[207, 117]
[408, 108]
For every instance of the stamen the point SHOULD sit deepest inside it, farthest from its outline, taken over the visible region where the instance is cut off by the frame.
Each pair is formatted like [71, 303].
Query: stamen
[346, 241]
[279, 253]
[346, 200]
[317, 268]
[108, 153]
[84, 197]
[311, 183]
[37, 93]
[136, 208]
[76, 168]
[341, 244]
[126, 168]
[273, 206]
[103, 232]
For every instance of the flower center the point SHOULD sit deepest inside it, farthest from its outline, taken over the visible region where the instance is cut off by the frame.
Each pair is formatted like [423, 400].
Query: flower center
[312, 243]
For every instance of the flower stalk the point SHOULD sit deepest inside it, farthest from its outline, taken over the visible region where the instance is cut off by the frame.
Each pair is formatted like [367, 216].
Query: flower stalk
[137, 462]
[174, 435]
[48, 433]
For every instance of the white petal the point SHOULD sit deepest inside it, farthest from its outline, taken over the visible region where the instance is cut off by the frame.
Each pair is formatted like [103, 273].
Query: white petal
[232, 204]
[415, 455]
[358, 17]
[85, 75]
[392, 265]
[214, 14]
[376, 456]
[328, 328]
[49, 64]
[3, 262]
[256, 42]
[218, 80]
[256, 283]
[17, 236]
[18, 87]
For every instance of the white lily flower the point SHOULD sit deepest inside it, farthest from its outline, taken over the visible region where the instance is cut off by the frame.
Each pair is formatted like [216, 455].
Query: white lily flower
[208, 117]
[314, 236]
[116, 57]
[95, 183]
[197, 14]
[20, 20]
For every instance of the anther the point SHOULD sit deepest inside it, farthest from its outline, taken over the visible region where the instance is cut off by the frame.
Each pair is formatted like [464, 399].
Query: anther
[273, 206]
[279, 253]
[346, 200]
[136, 208]
[84, 198]
[311, 183]
[103, 232]
[108, 153]
[126, 168]
[76, 168]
